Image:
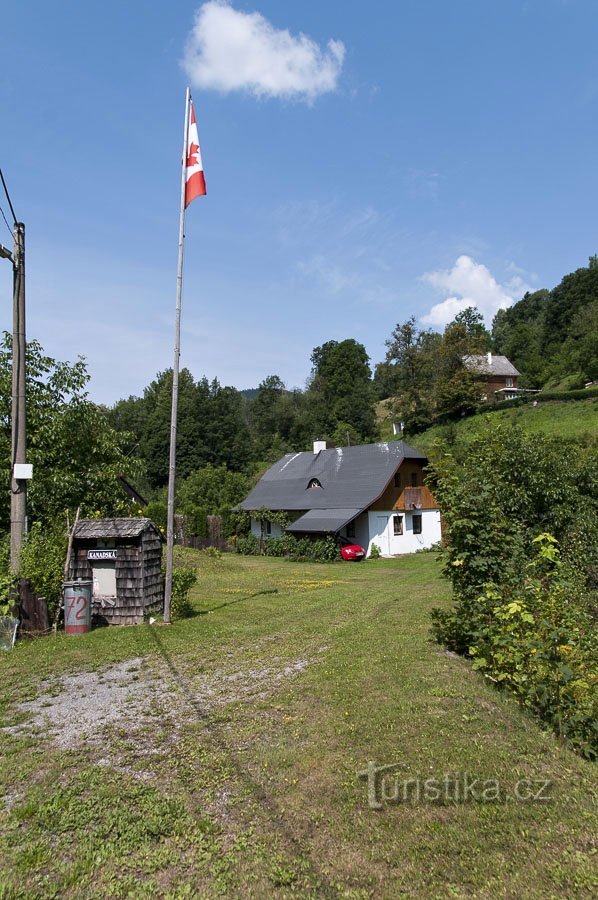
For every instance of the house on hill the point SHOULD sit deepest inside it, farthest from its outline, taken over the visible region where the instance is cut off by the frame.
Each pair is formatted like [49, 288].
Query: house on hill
[367, 494]
[499, 375]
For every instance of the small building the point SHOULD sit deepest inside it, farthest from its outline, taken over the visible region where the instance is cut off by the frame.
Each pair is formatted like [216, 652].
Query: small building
[367, 494]
[499, 375]
[123, 559]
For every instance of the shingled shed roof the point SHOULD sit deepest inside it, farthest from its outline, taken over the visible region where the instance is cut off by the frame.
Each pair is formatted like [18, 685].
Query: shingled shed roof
[349, 477]
[490, 364]
[113, 528]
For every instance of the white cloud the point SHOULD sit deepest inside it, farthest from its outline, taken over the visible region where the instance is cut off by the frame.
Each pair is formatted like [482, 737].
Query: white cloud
[228, 50]
[470, 283]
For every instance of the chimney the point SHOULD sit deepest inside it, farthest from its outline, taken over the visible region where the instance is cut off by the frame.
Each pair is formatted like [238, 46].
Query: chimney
[319, 446]
[489, 355]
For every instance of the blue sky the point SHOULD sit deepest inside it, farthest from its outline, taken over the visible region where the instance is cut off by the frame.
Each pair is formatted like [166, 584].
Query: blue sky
[401, 158]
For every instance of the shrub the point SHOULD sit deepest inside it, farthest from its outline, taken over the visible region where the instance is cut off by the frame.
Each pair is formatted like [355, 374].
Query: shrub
[157, 511]
[523, 608]
[290, 547]
[212, 552]
[375, 552]
[248, 545]
[183, 579]
[42, 562]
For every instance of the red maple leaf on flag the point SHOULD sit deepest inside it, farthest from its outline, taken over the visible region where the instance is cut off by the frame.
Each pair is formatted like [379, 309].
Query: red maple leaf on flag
[192, 158]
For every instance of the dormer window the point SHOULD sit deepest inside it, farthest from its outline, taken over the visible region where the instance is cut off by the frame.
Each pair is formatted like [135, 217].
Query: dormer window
[314, 483]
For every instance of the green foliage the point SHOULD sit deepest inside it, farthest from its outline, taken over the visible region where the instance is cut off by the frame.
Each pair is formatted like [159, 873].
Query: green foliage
[424, 372]
[212, 552]
[77, 457]
[341, 390]
[183, 579]
[290, 547]
[523, 613]
[211, 427]
[42, 562]
[157, 511]
[248, 545]
[375, 552]
[552, 336]
[212, 489]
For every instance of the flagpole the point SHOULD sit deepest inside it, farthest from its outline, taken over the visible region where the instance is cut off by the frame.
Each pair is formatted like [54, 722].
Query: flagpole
[175, 380]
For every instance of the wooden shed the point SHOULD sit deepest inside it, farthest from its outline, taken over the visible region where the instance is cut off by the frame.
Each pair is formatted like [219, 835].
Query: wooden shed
[123, 559]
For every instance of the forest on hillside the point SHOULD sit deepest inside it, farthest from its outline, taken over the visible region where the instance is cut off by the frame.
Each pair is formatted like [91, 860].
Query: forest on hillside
[550, 336]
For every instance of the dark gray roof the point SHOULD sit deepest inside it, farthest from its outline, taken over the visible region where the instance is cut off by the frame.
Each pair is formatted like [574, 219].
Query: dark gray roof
[323, 520]
[497, 365]
[351, 477]
[112, 528]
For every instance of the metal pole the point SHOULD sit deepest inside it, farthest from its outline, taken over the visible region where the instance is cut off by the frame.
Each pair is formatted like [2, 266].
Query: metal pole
[18, 488]
[175, 380]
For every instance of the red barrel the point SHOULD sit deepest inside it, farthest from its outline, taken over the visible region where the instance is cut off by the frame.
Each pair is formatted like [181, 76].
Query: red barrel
[77, 606]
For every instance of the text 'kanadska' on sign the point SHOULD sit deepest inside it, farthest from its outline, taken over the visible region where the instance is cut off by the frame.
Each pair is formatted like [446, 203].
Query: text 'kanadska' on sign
[101, 554]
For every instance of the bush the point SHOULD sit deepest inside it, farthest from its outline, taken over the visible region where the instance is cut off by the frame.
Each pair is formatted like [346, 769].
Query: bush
[537, 639]
[523, 608]
[183, 579]
[290, 547]
[157, 511]
[42, 562]
[375, 552]
[248, 545]
[212, 552]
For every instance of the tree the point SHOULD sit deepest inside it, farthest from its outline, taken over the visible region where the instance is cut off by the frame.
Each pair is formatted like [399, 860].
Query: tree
[341, 389]
[76, 455]
[213, 489]
[411, 371]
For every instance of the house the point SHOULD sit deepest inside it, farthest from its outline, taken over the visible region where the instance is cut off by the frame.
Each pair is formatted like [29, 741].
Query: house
[123, 560]
[368, 494]
[500, 376]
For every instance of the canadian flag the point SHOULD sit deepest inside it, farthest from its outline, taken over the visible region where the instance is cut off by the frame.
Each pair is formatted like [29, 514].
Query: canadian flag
[195, 183]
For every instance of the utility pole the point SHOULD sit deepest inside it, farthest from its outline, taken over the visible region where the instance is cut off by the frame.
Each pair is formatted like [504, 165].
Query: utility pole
[18, 485]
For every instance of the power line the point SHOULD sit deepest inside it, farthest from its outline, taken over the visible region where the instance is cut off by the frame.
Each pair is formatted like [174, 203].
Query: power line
[5, 219]
[14, 217]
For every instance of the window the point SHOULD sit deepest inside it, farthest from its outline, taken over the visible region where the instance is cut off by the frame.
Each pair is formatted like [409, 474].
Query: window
[351, 529]
[314, 483]
[397, 479]
[414, 479]
[397, 522]
[268, 527]
[417, 523]
[509, 382]
[265, 526]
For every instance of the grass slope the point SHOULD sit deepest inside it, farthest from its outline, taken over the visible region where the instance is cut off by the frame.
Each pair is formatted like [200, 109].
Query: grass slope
[239, 774]
[577, 420]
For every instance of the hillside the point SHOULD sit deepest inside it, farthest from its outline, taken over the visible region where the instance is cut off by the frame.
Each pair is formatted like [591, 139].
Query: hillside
[577, 420]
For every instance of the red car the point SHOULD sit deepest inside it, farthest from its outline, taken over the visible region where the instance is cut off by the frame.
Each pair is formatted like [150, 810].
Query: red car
[352, 552]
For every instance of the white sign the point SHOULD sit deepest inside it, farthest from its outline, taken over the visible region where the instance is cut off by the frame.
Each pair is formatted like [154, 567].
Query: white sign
[101, 554]
[22, 471]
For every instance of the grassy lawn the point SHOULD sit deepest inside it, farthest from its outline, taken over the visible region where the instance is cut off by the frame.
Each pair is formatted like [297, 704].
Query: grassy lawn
[220, 756]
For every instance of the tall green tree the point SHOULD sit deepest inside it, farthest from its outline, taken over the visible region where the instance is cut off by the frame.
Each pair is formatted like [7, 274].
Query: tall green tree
[76, 455]
[341, 389]
[409, 372]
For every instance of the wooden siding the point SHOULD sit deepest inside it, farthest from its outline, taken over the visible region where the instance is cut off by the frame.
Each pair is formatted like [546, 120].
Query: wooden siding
[400, 498]
[138, 568]
[496, 383]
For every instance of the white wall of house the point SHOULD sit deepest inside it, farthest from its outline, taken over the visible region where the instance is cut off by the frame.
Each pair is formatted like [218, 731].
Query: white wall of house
[275, 529]
[381, 531]
[361, 534]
